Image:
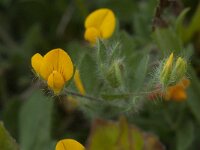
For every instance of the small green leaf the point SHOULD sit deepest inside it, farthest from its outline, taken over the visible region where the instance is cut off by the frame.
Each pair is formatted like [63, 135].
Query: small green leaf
[6, 141]
[101, 51]
[140, 72]
[180, 22]
[193, 95]
[10, 116]
[193, 27]
[185, 136]
[88, 73]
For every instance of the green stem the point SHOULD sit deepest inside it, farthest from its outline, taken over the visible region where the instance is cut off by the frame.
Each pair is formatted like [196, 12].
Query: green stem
[83, 96]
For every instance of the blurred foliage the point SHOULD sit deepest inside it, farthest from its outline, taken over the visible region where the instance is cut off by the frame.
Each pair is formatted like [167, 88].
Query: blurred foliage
[7, 142]
[37, 120]
[120, 135]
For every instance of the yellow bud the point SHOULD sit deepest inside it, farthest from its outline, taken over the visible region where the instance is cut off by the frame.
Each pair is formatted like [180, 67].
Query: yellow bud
[56, 81]
[169, 62]
[166, 71]
[69, 144]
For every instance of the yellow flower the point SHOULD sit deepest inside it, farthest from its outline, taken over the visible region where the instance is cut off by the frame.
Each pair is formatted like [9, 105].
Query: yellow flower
[99, 24]
[55, 67]
[78, 82]
[69, 144]
[178, 91]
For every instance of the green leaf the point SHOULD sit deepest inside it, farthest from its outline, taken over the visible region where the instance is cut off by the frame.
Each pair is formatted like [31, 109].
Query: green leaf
[128, 44]
[167, 40]
[140, 72]
[193, 27]
[193, 95]
[101, 51]
[185, 136]
[6, 141]
[88, 73]
[35, 122]
[10, 116]
[180, 23]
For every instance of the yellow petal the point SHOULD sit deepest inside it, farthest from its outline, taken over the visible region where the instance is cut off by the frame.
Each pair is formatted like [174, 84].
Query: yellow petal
[57, 60]
[177, 92]
[103, 20]
[179, 95]
[108, 25]
[36, 61]
[78, 82]
[96, 18]
[91, 34]
[69, 144]
[55, 81]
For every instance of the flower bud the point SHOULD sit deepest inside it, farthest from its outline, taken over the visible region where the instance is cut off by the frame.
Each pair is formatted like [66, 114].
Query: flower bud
[166, 71]
[114, 74]
[179, 70]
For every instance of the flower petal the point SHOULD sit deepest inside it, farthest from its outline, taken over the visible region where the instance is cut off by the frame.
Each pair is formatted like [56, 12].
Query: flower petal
[96, 18]
[91, 34]
[102, 19]
[176, 93]
[78, 82]
[36, 61]
[55, 81]
[179, 95]
[69, 144]
[57, 60]
[108, 25]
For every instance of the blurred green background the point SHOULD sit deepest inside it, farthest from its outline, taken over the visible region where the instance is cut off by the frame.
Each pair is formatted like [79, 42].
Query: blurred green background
[37, 121]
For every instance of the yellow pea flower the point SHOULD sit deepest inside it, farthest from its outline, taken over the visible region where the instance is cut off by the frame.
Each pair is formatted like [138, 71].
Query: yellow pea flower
[99, 24]
[69, 144]
[55, 67]
[178, 91]
[78, 82]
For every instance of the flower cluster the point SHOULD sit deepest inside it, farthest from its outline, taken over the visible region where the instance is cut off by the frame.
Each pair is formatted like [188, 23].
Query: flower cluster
[172, 74]
[175, 75]
[56, 67]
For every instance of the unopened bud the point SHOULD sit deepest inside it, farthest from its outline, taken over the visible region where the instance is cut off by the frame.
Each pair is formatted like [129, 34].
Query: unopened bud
[114, 74]
[166, 71]
[179, 70]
